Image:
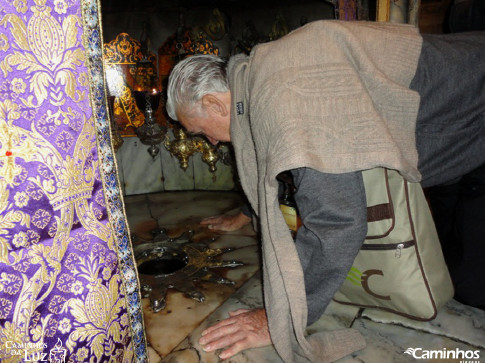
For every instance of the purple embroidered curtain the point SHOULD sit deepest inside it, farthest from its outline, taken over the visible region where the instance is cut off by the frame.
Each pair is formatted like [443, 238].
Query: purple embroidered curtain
[68, 284]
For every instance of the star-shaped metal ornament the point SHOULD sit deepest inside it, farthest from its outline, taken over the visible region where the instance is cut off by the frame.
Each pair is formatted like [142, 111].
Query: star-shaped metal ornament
[177, 263]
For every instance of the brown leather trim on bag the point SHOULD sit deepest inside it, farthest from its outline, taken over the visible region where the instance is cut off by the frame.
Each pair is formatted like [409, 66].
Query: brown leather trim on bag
[413, 317]
[411, 221]
[390, 210]
[379, 212]
[405, 192]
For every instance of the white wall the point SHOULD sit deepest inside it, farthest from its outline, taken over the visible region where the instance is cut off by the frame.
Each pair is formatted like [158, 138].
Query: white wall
[139, 173]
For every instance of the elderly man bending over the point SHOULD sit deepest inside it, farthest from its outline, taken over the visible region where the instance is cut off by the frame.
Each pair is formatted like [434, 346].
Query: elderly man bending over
[325, 102]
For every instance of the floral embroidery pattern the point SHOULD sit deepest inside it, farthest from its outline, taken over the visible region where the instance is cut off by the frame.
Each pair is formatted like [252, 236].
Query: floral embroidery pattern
[66, 264]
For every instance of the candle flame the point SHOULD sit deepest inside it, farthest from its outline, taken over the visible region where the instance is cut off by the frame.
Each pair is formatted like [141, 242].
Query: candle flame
[58, 346]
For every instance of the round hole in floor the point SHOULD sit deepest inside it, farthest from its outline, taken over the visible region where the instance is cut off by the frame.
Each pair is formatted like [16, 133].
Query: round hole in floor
[166, 264]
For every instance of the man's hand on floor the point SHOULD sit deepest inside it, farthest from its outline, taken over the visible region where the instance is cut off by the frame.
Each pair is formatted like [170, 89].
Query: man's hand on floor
[226, 223]
[243, 329]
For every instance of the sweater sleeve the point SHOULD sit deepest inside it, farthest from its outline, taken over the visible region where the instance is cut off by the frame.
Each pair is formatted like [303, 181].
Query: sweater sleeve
[246, 210]
[334, 216]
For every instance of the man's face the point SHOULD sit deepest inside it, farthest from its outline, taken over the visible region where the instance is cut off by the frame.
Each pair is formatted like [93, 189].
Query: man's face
[213, 120]
[214, 128]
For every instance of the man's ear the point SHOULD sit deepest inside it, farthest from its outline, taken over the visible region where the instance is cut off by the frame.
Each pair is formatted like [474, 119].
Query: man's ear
[211, 102]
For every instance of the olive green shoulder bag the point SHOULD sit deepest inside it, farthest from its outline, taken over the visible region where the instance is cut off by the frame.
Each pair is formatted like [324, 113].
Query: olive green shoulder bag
[400, 267]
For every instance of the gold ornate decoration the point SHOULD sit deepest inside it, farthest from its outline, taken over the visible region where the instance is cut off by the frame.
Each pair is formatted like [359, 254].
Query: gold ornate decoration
[279, 28]
[216, 27]
[250, 38]
[175, 45]
[41, 44]
[68, 188]
[121, 56]
[183, 147]
[210, 153]
[202, 45]
[116, 138]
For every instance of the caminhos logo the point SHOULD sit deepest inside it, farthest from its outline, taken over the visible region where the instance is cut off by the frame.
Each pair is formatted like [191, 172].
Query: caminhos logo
[34, 352]
[465, 356]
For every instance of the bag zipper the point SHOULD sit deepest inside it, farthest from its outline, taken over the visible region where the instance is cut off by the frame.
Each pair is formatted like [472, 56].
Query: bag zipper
[389, 246]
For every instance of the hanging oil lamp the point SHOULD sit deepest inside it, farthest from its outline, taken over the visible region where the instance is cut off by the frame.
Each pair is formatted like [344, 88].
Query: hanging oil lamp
[147, 95]
[150, 133]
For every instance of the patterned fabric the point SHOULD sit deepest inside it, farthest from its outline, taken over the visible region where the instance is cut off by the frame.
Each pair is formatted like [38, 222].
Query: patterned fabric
[68, 285]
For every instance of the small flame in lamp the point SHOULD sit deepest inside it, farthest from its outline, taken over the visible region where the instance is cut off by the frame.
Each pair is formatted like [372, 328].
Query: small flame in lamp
[58, 353]
[147, 97]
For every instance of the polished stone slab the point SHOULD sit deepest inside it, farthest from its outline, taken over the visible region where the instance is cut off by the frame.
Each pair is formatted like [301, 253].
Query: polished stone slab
[188, 208]
[174, 333]
[153, 356]
[457, 321]
[388, 343]
[167, 328]
[248, 296]
[139, 217]
[177, 213]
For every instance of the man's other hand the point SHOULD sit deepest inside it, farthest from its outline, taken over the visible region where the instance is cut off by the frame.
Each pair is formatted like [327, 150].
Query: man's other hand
[226, 223]
[243, 329]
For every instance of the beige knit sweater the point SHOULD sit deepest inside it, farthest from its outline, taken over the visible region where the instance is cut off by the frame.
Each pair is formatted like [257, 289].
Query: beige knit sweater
[333, 96]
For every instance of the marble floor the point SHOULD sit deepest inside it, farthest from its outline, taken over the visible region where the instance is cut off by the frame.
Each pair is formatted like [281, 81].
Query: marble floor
[173, 332]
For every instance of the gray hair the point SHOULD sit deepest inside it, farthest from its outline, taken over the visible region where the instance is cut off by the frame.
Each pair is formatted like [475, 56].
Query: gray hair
[193, 78]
